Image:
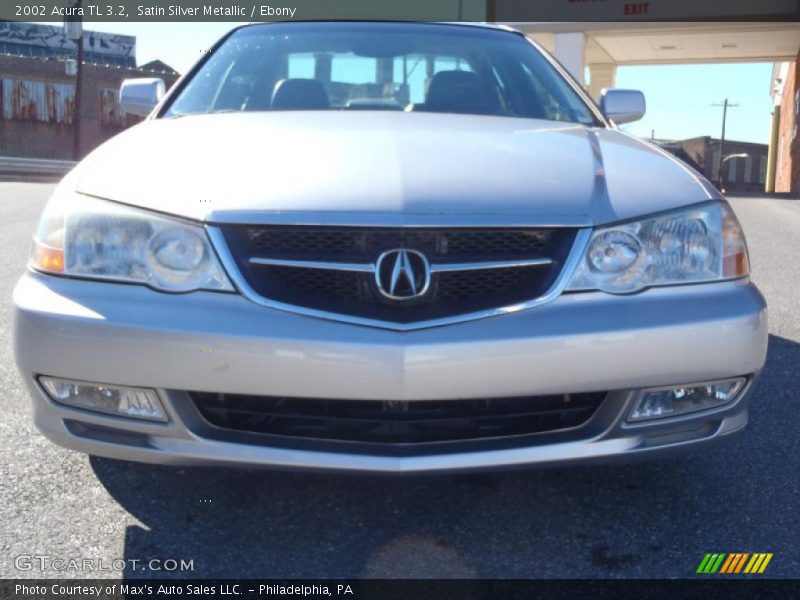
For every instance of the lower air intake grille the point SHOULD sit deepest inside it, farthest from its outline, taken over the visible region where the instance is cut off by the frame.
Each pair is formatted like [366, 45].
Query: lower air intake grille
[396, 422]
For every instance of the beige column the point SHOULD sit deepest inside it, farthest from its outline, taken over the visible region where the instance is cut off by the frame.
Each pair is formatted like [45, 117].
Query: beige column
[602, 75]
[772, 154]
[569, 50]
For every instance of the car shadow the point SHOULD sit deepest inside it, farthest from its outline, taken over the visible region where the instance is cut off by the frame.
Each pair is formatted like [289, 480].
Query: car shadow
[641, 519]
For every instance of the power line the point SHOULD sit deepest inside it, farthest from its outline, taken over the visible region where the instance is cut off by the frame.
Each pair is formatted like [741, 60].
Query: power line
[725, 105]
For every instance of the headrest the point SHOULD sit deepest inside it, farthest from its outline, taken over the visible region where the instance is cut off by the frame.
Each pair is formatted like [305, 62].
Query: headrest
[299, 94]
[457, 91]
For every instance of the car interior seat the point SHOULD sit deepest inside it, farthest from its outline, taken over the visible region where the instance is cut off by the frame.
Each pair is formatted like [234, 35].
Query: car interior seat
[457, 92]
[299, 94]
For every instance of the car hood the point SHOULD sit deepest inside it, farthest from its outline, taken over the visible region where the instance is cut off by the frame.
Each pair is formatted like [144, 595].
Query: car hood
[393, 168]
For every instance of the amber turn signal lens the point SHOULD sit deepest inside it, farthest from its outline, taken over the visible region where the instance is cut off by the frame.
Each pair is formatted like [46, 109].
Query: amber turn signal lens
[46, 258]
[735, 262]
[736, 265]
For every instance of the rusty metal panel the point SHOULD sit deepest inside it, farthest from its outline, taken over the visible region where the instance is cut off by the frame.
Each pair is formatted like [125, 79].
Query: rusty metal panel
[61, 105]
[111, 111]
[25, 100]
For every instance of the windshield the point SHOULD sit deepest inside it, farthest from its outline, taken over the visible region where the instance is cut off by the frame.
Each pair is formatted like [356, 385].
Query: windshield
[380, 66]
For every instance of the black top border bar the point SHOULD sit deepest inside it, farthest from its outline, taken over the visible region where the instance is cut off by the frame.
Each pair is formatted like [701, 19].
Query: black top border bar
[503, 11]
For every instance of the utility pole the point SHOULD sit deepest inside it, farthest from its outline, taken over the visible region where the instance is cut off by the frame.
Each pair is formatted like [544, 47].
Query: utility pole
[725, 105]
[73, 28]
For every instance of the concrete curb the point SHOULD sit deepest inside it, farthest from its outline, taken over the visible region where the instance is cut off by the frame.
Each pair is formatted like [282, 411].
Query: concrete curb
[14, 168]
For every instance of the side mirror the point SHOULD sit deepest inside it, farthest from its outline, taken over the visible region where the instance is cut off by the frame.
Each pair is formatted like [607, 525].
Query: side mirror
[140, 96]
[622, 106]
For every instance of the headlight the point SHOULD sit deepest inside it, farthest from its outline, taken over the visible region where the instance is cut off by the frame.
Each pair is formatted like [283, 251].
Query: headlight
[84, 237]
[702, 243]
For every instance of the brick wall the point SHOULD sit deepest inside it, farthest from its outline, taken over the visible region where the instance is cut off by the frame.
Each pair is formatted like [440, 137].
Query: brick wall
[744, 174]
[30, 137]
[788, 166]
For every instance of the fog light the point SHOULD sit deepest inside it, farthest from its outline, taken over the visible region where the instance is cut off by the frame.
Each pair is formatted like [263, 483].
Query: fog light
[138, 403]
[671, 402]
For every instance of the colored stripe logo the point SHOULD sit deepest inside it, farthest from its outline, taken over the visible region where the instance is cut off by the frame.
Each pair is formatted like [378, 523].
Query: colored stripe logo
[734, 562]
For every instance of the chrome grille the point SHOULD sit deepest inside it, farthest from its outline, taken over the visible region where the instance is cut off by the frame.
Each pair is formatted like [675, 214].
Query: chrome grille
[346, 243]
[462, 285]
[318, 282]
[332, 270]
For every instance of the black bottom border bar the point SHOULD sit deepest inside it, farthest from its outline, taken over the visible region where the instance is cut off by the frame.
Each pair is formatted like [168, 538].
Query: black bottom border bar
[390, 589]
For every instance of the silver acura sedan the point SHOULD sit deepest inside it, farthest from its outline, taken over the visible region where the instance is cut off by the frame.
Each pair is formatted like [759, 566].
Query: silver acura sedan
[387, 247]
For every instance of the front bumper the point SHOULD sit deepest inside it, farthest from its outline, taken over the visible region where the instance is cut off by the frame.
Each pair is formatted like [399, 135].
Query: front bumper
[214, 342]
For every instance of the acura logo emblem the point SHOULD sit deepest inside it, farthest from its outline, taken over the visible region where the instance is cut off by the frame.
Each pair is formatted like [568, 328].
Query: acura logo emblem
[402, 274]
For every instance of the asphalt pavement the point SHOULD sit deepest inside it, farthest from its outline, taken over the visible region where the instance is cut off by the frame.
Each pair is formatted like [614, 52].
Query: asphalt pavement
[653, 519]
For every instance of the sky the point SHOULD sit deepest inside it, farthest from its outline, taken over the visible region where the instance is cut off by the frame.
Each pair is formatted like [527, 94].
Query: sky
[679, 97]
